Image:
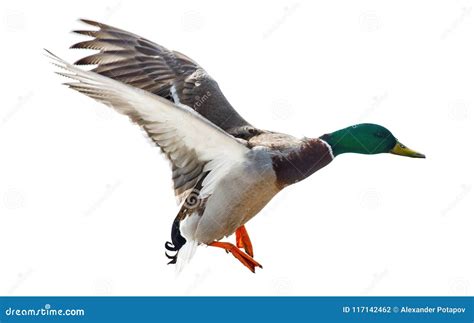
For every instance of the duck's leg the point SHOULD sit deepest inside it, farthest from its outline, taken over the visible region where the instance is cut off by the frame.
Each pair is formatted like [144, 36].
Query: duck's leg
[245, 259]
[242, 240]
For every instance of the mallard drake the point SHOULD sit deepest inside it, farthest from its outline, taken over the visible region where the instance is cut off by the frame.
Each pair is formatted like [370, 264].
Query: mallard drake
[224, 169]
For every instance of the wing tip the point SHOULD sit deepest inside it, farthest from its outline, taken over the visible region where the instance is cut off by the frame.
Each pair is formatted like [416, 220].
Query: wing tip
[90, 33]
[54, 58]
[47, 52]
[91, 22]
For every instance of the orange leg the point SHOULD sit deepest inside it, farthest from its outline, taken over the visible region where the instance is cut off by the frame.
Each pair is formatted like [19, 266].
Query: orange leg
[243, 240]
[245, 259]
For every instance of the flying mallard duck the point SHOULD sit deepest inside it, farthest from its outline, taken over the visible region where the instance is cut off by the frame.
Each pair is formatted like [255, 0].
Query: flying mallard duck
[224, 169]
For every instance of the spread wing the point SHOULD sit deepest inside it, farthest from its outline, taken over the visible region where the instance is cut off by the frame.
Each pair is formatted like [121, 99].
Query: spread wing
[136, 61]
[195, 146]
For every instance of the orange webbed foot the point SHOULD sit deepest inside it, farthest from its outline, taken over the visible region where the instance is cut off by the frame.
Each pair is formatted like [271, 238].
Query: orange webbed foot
[244, 258]
[243, 240]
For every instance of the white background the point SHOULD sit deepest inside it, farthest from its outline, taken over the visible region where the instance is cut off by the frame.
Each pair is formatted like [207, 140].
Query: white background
[86, 201]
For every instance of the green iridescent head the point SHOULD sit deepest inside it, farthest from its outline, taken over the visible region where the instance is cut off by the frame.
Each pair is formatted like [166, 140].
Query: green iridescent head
[368, 139]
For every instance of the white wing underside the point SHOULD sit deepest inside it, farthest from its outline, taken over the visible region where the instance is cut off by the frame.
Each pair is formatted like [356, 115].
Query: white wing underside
[192, 143]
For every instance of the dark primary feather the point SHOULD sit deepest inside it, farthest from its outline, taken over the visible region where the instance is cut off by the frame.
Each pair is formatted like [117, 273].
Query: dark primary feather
[136, 61]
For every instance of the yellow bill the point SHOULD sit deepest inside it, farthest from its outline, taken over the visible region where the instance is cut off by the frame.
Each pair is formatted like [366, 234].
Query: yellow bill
[403, 150]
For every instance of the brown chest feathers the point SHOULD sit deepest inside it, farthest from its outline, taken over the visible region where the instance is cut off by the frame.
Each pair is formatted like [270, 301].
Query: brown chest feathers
[295, 165]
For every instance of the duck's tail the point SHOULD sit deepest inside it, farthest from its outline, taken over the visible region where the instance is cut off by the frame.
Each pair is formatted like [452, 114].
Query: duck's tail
[181, 243]
[185, 254]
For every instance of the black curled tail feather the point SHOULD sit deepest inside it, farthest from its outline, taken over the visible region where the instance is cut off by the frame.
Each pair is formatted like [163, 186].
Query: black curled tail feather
[177, 241]
[192, 204]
